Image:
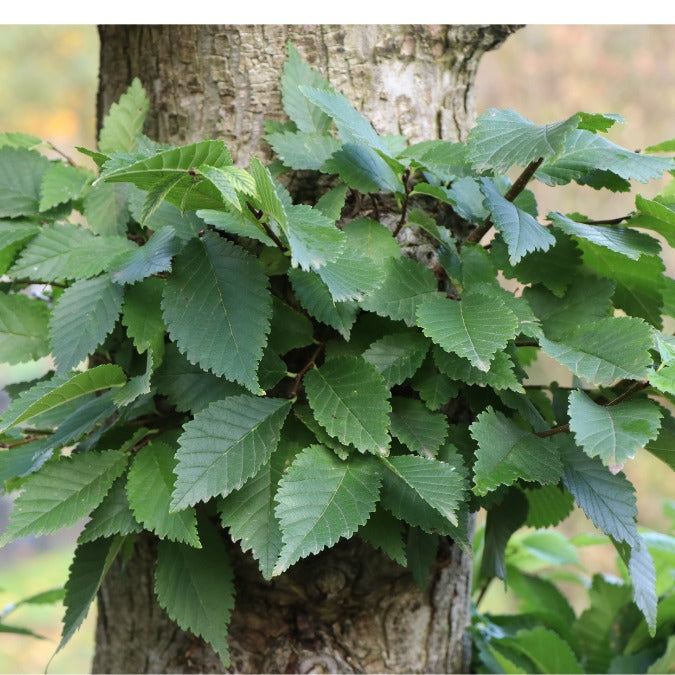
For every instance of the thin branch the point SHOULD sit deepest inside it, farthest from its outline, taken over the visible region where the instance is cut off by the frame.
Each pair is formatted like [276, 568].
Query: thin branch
[611, 221]
[23, 441]
[406, 199]
[268, 230]
[307, 367]
[518, 186]
[526, 343]
[63, 154]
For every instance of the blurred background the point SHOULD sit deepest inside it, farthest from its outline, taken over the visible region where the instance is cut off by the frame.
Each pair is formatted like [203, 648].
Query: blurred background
[546, 73]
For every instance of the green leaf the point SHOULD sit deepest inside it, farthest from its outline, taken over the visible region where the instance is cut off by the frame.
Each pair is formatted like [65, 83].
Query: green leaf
[521, 232]
[157, 194]
[84, 314]
[585, 152]
[91, 562]
[350, 400]
[61, 252]
[149, 487]
[618, 239]
[643, 577]
[316, 298]
[307, 116]
[507, 453]
[663, 446]
[405, 284]
[62, 492]
[614, 433]
[15, 233]
[372, 238]
[434, 388]
[234, 224]
[653, 215]
[196, 587]
[14, 139]
[290, 329]
[665, 662]
[21, 173]
[500, 375]
[547, 651]
[351, 125]
[142, 315]
[475, 328]
[598, 121]
[411, 479]
[225, 445]
[188, 387]
[385, 532]
[322, 499]
[61, 183]
[445, 159]
[502, 139]
[153, 257]
[351, 277]
[605, 351]
[106, 209]
[230, 181]
[124, 122]
[48, 395]
[548, 505]
[421, 430]
[269, 200]
[302, 151]
[362, 169]
[332, 202]
[205, 290]
[607, 499]
[112, 516]
[313, 238]
[421, 552]
[23, 328]
[586, 300]
[503, 519]
[397, 357]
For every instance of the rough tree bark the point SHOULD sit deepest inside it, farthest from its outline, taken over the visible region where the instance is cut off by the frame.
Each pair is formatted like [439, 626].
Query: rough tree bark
[349, 609]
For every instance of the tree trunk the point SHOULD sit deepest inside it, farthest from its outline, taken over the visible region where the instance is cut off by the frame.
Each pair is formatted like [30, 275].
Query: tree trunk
[349, 609]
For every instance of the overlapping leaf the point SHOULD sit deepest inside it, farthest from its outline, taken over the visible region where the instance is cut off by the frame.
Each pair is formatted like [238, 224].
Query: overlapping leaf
[363, 169]
[397, 357]
[124, 121]
[23, 328]
[21, 172]
[61, 183]
[155, 256]
[352, 276]
[313, 237]
[303, 150]
[106, 209]
[421, 430]
[501, 374]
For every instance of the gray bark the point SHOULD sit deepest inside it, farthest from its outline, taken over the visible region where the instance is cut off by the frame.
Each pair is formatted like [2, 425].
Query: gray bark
[349, 609]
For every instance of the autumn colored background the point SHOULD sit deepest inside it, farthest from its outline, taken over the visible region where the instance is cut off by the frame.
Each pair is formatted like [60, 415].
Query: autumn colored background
[48, 88]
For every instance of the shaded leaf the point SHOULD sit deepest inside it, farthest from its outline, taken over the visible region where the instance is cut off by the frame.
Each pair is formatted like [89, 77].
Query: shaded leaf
[23, 328]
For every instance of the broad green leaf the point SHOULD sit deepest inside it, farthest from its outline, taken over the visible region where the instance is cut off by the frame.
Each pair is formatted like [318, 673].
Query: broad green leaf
[507, 453]
[124, 122]
[188, 387]
[234, 224]
[664, 379]
[605, 351]
[475, 328]
[363, 169]
[618, 239]
[373, 239]
[272, 370]
[521, 231]
[546, 650]
[21, 172]
[352, 276]
[607, 499]
[585, 152]
[445, 159]
[61, 183]
[84, 314]
[153, 257]
[249, 512]
[106, 209]
[91, 562]
[350, 400]
[307, 116]
[351, 125]
[639, 283]
[60, 390]
[62, 492]
[332, 202]
[502, 139]
[421, 430]
[598, 121]
[434, 388]
[304, 414]
[61, 252]
[316, 298]
[421, 552]
[268, 198]
[230, 181]
[15, 139]
[385, 532]
[503, 519]
[302, 150]
[142, 315]
[439, 485]
[653, 215]
[149, 487]
[23, 328]
[663, 446]
[500, 375]
[667, 659]
[586, 300]
[322, 499]
[157, 194]
[313, 238]
[614, 433]
[206, 289]
[225, 445]
[290, 329]
[15, 233]
[534, 551]
[196, 587]
[397, 357]
[548, 505]
[405, 284]
[112, 516]
[643, 577]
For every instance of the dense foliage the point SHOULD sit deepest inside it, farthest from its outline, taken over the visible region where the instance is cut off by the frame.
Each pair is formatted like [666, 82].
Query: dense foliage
[226, 358]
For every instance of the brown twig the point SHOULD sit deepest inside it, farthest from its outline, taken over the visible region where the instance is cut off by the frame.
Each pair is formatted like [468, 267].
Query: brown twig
[404, 211]
[611, 221]
[307, 367]
[268, 230]
[63, 154]
[23, 441]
